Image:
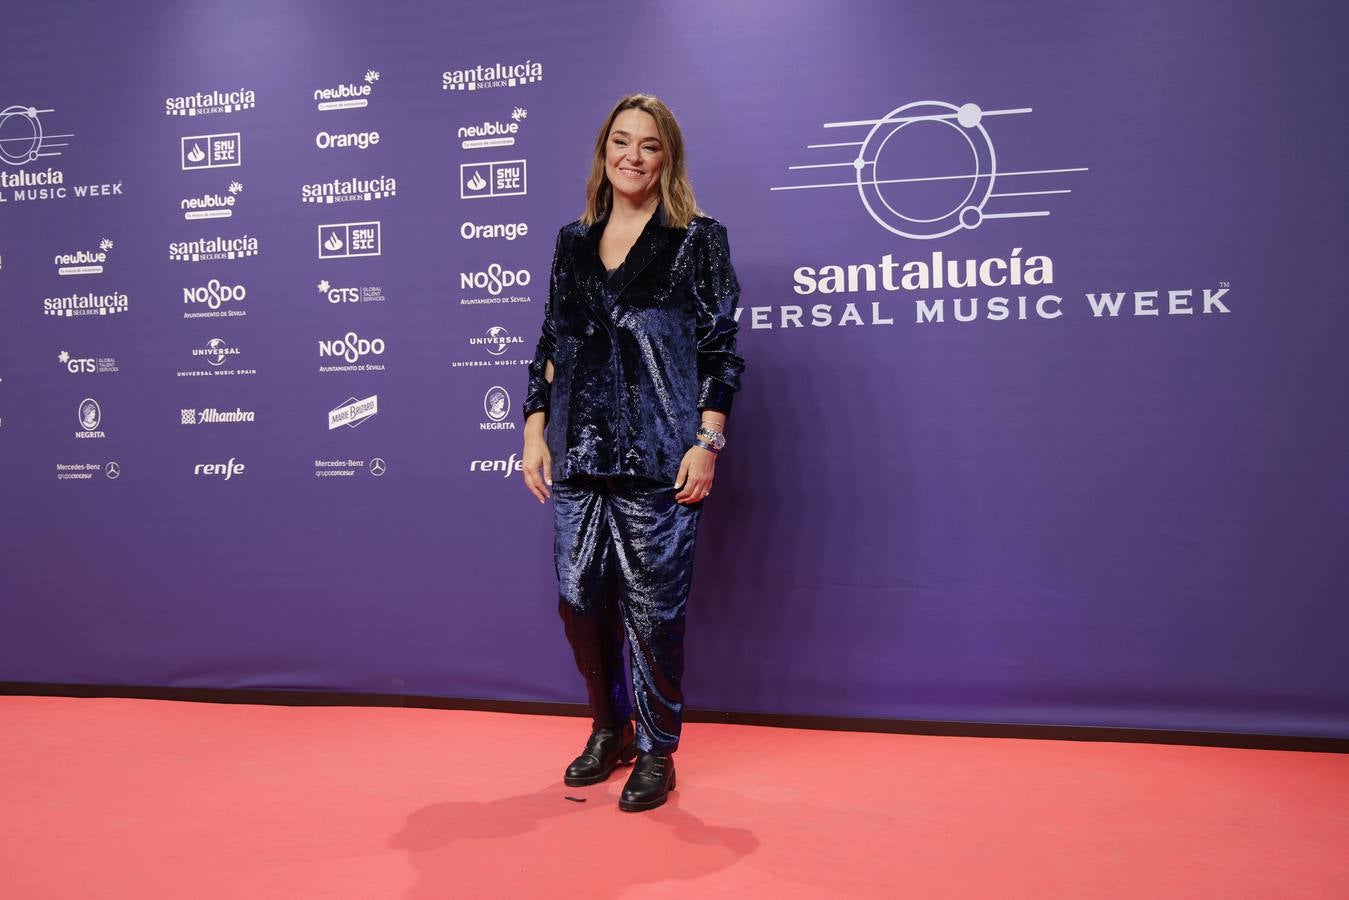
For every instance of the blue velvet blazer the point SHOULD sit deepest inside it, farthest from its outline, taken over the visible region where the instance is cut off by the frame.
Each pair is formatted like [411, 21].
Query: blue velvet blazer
[636, 353]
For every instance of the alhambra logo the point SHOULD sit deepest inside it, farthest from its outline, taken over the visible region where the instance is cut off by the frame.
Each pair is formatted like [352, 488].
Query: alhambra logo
[210, 103]
[347, 96]
[901, 169]
[496, 75]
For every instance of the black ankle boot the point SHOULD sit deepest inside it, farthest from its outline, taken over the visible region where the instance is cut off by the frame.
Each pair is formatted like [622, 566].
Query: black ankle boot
[606, 748]
[652, 779]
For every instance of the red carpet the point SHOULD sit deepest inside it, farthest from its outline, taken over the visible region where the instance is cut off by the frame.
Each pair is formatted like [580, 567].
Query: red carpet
[149, 799]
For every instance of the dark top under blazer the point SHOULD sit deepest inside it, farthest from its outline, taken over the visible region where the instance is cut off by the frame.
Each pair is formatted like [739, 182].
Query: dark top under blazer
[638, 353]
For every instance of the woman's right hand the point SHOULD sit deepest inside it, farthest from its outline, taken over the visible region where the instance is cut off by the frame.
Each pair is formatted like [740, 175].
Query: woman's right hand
[538, 462]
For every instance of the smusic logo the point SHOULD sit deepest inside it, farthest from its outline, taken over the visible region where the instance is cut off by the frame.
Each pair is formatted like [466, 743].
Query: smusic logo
[212, 151]
[349, 239]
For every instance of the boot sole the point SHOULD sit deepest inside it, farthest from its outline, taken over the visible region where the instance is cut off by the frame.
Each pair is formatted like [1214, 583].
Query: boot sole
[644, 805]
[627, 755]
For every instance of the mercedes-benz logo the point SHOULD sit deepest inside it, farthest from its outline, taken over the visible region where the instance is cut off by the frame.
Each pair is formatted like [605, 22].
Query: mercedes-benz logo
[378, 467]
[112, 469]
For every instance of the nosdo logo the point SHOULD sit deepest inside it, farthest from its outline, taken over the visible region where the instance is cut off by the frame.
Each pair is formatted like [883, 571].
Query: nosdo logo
[214, 294]
[345, 190]
[492, 133]
[351, 347]
[508, 230]
[210, 103]
[497, 340]
[481, 78]
[227, 470]
[212, 206]
[83, 262]
[212, 151]
[359, 140]
[495, 279]
[216, 248]
[911, 201]
[346, 96]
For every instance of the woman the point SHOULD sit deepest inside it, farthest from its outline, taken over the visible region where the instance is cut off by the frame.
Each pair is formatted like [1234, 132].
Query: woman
[629, 391]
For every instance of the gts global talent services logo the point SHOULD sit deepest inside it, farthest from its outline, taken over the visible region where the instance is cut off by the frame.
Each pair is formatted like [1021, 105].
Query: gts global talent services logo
[87, 365]
[336, 295]
[83, 262]
[210, 103]
[347, 96]
[496, 75]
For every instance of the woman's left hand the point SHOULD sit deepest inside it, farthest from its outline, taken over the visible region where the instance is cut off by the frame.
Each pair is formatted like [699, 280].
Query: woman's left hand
[696, 472]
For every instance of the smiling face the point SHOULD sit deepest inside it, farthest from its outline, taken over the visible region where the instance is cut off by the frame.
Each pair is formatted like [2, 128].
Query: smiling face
[634, 155]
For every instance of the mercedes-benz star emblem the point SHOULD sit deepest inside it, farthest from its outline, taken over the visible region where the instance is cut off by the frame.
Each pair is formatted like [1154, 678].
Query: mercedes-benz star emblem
[377, 467]
[112, 469]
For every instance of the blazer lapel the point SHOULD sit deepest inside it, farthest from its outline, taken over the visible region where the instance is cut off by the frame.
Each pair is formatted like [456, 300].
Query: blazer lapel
[649, 245]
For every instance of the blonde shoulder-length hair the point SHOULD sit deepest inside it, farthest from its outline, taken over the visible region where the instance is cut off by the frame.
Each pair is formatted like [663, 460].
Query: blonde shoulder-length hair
[676, 192]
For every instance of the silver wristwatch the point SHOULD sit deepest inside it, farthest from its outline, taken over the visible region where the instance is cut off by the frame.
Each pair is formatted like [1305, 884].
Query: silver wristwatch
[715, 438]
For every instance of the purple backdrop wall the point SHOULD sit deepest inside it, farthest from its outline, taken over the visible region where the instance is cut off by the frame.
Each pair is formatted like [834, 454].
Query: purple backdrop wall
[1063, 516]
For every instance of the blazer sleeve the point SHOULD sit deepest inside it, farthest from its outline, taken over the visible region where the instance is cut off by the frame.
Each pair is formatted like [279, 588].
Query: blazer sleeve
[716, 294]
[539, 392]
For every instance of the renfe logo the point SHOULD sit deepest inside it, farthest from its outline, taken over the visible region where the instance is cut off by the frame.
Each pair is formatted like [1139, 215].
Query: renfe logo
[227, 469]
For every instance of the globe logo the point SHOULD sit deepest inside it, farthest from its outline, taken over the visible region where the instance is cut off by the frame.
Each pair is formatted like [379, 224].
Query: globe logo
[496, 340]
[217, 348]
[928, 168]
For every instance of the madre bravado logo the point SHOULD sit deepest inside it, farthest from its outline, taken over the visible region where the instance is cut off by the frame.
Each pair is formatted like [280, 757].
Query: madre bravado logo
[901, 171]
[26, 140]
[210, 103]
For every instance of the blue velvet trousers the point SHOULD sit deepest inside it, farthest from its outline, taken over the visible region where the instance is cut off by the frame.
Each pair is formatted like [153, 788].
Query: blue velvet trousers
[624, 554]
